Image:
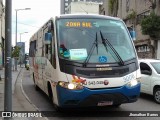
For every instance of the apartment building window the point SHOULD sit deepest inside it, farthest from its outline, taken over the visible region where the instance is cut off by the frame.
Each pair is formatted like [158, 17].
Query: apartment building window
[142, 15]
[127, 5]
[143, 48]
[66, 4]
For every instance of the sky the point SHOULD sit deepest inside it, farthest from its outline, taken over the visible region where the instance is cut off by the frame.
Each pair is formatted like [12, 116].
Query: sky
[31, 20]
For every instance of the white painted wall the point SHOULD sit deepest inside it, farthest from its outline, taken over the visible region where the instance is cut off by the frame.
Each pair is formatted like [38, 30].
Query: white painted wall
[158, 49]
[83, 8]
[2, 28]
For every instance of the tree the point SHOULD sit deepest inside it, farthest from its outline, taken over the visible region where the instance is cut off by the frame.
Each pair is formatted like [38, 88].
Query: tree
[150, 25]
[16, 51]
[132, 15]
[113, 7]
[153, 5]
[1, 46]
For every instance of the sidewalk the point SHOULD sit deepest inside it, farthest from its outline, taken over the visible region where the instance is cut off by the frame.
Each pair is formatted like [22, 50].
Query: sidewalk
[19, 99]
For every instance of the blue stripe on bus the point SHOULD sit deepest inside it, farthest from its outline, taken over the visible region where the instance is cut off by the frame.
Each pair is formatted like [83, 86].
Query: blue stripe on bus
[78, 96]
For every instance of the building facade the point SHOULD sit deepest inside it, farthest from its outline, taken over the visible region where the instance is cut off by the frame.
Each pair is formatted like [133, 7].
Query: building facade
[65, 3]
[2, 33]
[145, 46]
[83, 8]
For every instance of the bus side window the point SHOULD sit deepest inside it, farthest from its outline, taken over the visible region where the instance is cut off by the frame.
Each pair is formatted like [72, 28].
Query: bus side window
[48, 39]
[54, 55]
[48, 51]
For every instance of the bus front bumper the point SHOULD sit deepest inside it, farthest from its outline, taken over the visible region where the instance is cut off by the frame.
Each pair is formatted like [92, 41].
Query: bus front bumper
[95, 97]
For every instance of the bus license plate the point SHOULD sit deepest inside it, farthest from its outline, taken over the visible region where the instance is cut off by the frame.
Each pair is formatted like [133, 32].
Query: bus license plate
[105, 103]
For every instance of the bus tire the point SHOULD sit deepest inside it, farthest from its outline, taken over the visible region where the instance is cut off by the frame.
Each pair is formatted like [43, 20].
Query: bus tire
[57, 108]
[35, 86]
[50, 95]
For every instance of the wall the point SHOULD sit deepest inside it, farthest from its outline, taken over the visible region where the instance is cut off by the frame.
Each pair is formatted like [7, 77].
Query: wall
[66, 3]
[104, 10]
[83, 8]
[158, 49]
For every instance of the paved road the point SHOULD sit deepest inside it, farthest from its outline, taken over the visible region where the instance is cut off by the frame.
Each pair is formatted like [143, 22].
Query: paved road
[40, 100]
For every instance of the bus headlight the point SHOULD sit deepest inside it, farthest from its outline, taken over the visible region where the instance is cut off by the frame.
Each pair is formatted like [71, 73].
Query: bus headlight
[132, 83]
[71, 86]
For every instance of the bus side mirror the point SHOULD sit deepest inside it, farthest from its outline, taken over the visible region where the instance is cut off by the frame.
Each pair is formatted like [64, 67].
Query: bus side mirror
[50, 27]
[132, 33]
[48, 38]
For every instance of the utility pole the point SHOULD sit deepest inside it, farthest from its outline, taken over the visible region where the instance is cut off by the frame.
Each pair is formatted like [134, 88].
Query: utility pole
[8, 62]
[16, 42]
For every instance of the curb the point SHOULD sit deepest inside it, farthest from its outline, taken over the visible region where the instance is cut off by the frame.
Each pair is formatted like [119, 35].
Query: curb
[16, 80]
[25, 95]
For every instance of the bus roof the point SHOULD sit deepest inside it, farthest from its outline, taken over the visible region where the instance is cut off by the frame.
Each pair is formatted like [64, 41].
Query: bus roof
[87, 16]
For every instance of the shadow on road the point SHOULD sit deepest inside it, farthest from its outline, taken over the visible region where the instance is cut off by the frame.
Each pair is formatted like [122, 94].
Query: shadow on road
[147, 97]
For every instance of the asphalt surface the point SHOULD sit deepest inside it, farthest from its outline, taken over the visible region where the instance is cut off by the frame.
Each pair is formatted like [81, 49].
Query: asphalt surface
[144, 105]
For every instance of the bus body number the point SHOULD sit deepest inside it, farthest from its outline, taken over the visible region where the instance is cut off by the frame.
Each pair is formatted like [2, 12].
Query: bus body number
[94, 82]
[128, 78]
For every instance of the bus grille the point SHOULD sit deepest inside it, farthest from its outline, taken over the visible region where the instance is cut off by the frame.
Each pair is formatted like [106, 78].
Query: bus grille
[92, 100]
[117, 72]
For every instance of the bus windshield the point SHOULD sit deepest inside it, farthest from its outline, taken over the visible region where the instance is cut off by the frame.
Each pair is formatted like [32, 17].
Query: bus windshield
[80, 38]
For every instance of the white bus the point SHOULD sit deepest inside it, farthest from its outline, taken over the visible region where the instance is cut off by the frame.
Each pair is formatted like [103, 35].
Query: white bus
[85, 60]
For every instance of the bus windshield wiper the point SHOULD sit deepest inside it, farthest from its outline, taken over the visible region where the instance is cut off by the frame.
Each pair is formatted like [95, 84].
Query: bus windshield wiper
[95, 44]
[106, 42]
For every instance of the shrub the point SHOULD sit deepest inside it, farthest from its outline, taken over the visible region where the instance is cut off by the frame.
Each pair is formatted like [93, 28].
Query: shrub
[151, 25]
[16, 51]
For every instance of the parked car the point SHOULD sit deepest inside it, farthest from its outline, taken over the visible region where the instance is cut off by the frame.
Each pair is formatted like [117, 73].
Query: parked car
[150, 77]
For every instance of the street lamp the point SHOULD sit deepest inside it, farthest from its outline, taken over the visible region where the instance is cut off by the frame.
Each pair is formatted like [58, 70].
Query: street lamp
[21, 53]
[16, 32]
[16, 22]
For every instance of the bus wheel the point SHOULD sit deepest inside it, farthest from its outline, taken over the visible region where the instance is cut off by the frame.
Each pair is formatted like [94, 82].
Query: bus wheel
[36, 87]
[57, 108]
[51, 98]
[50, 94]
